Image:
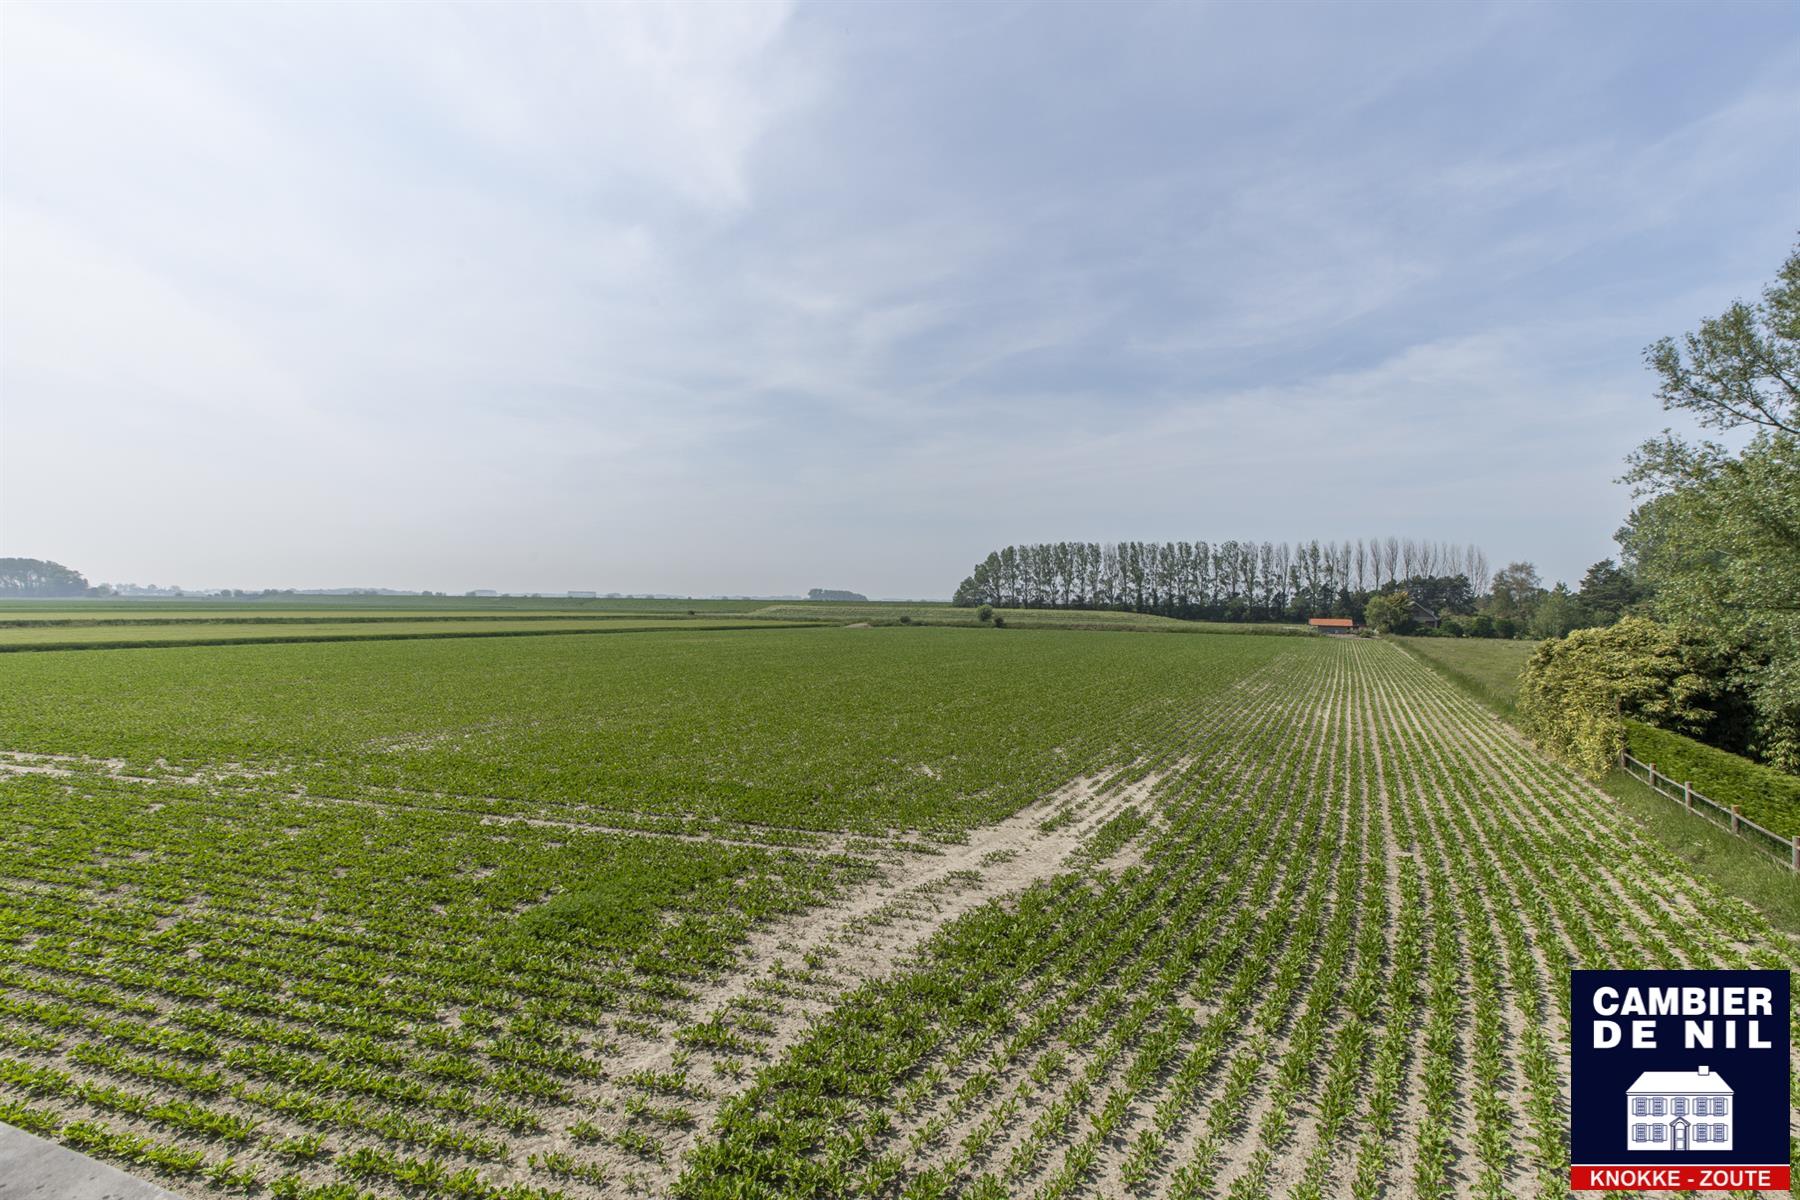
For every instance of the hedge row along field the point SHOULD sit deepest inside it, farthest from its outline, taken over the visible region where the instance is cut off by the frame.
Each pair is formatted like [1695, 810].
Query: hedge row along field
[1767, 796]
[890, 912]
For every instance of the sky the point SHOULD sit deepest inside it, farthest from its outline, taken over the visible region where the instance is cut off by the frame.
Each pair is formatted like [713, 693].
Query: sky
[747, 298]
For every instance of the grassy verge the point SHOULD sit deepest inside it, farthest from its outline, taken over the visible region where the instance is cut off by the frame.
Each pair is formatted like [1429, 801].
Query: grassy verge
[1487, 670]
[1732, 864]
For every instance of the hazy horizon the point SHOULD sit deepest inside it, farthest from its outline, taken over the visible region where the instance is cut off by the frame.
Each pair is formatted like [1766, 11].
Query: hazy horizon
[753, 299]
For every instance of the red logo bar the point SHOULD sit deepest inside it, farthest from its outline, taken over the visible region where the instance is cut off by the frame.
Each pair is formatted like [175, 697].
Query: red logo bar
[1678, 1177]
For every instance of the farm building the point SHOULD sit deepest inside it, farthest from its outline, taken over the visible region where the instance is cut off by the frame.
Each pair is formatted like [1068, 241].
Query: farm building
[1664, 1111]
[1423, 616]
[1338, 625]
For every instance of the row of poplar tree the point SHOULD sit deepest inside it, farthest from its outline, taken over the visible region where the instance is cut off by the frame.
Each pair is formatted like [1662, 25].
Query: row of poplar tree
[1230, 580]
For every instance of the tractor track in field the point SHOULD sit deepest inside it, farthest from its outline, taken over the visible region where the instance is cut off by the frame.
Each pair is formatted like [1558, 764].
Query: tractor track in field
[792, 971]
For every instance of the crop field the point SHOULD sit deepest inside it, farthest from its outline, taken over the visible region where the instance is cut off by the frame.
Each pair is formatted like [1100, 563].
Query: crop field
[39, 616]
[346, 607]
[1017, 618]
[43, 635]
[806, 912]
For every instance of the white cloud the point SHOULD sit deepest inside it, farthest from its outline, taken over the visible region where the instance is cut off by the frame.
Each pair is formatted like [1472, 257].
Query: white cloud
[619, 292]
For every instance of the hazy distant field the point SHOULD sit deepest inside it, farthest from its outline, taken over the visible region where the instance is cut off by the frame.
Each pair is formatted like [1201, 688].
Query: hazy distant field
[317, 606]
[57, 636]
[152, 623]
[1015, 618]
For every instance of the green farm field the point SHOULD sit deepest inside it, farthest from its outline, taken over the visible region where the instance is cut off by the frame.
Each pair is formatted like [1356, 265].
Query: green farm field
[327, 607]
[1487, 668]
[815, 912]
[1017, 618]
[251, 614]
[111, 635]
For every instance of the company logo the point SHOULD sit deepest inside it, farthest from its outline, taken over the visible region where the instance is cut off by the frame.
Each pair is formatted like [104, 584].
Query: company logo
[1679, 1080]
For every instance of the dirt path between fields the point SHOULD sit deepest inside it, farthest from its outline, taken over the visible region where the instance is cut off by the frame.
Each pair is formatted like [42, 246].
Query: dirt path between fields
[793, 972]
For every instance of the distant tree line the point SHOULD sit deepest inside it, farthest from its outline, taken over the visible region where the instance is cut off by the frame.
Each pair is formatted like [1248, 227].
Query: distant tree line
[1518, 605]
[39, 577]
[1229, 580]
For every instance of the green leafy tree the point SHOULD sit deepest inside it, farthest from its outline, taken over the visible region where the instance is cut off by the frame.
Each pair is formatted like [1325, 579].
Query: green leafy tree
[1608, 592]
[1743, 366]
[1389, 612]
[1557, 614]
[1515, 592]
[1717, 536]
[39, 577]
[1576, 691]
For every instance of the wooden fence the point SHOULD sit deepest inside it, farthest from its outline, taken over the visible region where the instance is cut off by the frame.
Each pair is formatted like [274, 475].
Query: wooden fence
[1726, 816]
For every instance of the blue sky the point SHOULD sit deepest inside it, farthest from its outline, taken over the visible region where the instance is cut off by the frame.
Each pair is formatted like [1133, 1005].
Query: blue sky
[761, 298]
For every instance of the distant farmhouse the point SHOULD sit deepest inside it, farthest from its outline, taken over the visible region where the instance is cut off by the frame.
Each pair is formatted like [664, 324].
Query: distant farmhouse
[1678, 1110]
[1334, 625]
[1423, 616]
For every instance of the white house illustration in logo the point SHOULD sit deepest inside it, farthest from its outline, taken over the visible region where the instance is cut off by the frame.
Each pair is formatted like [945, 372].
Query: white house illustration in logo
[1678, 1110]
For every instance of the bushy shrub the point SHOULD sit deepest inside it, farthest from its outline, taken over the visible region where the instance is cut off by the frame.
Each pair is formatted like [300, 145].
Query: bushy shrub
[1577, 691]
[1767, 796]
[1389, 612]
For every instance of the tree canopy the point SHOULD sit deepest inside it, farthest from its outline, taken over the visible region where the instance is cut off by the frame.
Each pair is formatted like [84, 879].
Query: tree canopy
[1388, 611]
[39, 577]
[1717, 535]
[1741, 367]
[1229, 580]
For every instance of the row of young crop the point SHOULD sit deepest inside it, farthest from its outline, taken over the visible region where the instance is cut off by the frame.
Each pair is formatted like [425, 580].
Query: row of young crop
[1081, 984]
[294, 1017]
[874, 730]
[1336, 965]
[278, 992]
[1367, 897]
[1642, 901]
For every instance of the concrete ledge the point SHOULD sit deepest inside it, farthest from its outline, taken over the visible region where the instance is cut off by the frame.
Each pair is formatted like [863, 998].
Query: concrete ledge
[33, 1169]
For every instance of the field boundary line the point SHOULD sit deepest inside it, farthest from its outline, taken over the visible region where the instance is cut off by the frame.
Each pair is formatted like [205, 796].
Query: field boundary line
[434, 636]
[1728, 816]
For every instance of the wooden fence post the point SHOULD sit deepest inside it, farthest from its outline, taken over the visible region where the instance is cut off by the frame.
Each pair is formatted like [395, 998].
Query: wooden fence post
[1796, 859]
[1652, 767]
[1687, 796]
[1736, 812]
